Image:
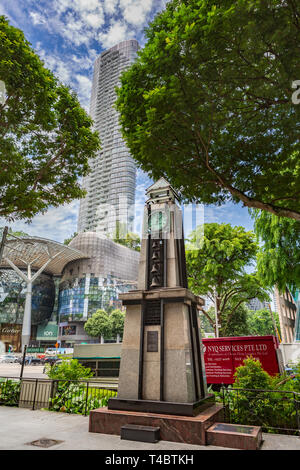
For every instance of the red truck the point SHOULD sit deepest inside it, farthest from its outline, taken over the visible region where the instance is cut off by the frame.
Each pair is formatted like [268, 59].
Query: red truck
[223, 355]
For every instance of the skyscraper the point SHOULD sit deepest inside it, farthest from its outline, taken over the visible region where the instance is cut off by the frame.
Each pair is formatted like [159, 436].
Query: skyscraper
[111, 184]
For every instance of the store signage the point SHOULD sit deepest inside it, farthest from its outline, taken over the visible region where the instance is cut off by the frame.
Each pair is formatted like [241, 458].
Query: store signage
[223, 355]
[10, 330]
[47, 332]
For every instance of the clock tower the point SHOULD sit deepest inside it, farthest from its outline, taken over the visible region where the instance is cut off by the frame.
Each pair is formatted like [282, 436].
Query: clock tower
[162, 368]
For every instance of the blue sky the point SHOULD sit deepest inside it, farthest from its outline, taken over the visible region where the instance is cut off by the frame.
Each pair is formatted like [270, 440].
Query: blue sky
[68, 35]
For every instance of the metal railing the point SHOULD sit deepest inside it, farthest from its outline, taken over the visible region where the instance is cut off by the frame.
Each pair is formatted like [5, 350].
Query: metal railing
[70, 396]
[275, 411]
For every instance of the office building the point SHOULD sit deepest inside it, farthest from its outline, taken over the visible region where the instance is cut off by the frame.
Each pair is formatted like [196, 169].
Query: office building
[110, 185]
[256, 304]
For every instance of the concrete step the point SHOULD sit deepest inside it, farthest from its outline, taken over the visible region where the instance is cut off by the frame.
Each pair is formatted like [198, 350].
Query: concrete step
[234, 436]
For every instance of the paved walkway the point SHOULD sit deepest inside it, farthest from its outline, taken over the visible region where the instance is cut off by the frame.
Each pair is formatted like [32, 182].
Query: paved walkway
[20, 426]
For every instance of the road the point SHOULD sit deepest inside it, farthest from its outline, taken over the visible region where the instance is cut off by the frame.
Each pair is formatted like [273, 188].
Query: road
[14, 370]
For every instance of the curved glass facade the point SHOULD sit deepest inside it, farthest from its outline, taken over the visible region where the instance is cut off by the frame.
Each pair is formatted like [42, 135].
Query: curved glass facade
[12, 298]
[79, 298]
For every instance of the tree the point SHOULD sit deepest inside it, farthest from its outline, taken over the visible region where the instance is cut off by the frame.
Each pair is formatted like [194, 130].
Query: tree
[208, 103]
[117, 318]
[45, 135]
[237, 324]
[99, 325]
[217, 269]
[278, 258]
[260, 322]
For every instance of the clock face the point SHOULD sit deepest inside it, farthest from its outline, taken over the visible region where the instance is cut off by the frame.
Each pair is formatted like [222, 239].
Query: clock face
[157, 221]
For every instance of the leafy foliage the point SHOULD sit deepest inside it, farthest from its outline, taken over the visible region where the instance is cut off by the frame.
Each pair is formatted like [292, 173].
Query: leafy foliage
[105, 324]
[252, 375]
[45, 135]
[278, 259]
[237, 324]
[257, 398]
[217, 270]
[208, 104]
[99, 324]
[117, 318]
[9, 392]
[68, 370]
[71, 393]
[75, 398]
[260, 322]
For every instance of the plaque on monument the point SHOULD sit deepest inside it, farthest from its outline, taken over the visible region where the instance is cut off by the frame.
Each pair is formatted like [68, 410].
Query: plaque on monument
[152, 341]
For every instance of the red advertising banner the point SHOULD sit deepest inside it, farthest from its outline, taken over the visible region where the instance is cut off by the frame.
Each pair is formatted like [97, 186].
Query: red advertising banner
[223, 355]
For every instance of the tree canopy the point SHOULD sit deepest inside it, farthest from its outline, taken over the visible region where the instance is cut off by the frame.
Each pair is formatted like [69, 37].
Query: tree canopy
[218, 269]
[99, 324]
[260, 322]
[105, 324]
[117, 318]
[278, 258]
[45, 135]
[208, 103]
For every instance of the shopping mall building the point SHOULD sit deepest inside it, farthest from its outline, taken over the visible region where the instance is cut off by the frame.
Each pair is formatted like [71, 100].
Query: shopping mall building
[77, 280]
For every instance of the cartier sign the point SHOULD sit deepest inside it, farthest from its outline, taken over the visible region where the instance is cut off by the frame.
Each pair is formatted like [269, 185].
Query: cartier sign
[9, 330]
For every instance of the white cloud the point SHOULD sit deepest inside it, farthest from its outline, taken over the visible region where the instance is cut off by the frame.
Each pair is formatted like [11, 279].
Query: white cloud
[70, 71]
[56, 224]
[37, 18]
[135, 12]
[110, 6]
[94, 19]
[84, 89]
[118, 31]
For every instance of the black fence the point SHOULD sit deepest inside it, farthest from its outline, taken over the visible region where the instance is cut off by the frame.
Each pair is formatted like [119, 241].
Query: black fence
[275, 411]
[70, 396]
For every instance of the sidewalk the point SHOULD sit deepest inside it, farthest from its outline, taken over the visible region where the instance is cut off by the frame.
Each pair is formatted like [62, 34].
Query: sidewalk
[20, 426]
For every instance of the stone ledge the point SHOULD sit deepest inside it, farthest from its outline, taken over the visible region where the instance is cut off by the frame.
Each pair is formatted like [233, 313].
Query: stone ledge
[185, 429]
[161, 293]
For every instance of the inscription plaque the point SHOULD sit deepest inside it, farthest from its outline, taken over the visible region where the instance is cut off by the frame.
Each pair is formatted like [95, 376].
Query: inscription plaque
[152, 341]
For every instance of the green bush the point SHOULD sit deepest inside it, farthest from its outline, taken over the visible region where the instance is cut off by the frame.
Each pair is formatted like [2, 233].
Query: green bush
[68, 370]
[9, 392]
[76, 398]
[251, 375]
[268, 403]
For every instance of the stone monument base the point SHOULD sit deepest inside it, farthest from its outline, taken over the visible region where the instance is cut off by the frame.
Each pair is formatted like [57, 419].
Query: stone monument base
[186, 429]
[162, 407]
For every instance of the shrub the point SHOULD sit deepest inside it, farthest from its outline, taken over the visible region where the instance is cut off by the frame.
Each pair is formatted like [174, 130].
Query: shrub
[9, 392]
[268, 404]
[68, 370]
[251, 375]
[75, 398]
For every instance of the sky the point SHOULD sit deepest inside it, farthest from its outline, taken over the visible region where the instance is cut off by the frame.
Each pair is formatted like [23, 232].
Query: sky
[68, 35]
